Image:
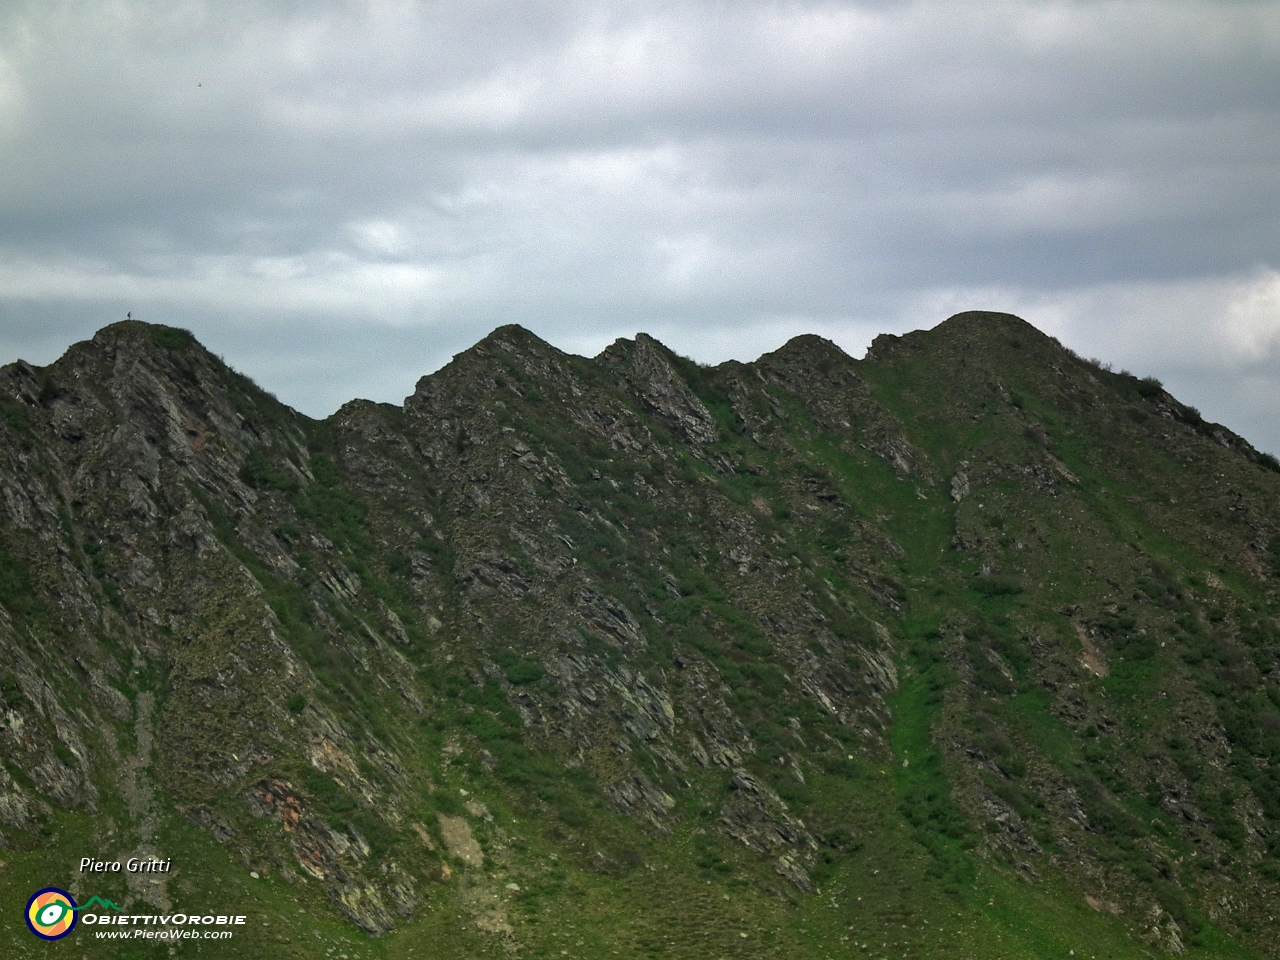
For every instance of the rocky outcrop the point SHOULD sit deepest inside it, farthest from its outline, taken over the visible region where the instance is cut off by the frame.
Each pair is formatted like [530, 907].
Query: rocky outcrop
[756, 817]
[645, 368]
[338, 859]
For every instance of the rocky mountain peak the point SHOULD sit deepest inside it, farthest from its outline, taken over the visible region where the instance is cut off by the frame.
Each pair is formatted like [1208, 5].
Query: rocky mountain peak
[646, 367]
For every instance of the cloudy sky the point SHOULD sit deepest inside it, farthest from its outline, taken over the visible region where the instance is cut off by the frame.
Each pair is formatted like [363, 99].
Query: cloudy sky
[339, 196]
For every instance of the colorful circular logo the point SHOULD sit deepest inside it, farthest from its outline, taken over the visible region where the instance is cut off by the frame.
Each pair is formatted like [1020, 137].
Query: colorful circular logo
[51, 913]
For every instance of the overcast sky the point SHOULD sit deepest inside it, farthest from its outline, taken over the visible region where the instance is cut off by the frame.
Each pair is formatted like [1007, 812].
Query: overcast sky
[339, 196]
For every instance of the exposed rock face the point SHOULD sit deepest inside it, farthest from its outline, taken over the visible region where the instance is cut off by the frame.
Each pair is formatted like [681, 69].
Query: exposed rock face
[960, 482]
[632, 590]
[756, 817]
[644, 367]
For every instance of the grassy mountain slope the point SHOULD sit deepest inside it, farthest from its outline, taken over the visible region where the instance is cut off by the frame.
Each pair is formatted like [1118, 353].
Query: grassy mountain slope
[965, 649]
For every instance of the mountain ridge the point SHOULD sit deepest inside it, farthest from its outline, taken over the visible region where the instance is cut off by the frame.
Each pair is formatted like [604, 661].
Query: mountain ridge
[769, 628]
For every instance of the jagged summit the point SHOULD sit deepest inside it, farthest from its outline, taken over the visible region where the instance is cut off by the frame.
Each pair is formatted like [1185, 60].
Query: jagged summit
[808, 356]
[812, 345]
[508, 337]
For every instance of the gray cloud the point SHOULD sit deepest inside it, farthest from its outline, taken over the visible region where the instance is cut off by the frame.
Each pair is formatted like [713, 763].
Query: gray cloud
[338, 196]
